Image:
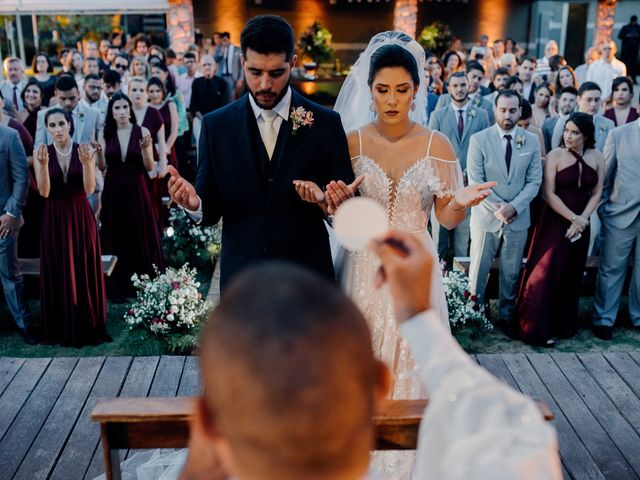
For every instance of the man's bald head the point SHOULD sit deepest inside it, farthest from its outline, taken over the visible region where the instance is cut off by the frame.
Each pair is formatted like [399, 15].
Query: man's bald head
[289, 376]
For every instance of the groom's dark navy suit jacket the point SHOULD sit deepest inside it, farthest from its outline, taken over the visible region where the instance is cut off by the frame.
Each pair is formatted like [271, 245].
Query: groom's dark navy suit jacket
[263, 216]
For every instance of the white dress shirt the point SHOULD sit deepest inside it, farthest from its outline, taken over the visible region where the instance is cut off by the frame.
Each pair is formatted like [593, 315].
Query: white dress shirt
[475, 426]
[502, 133]
[603, 73]
[282, 108]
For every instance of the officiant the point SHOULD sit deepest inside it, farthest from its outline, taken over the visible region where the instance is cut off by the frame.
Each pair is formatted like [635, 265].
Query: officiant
[252, 151]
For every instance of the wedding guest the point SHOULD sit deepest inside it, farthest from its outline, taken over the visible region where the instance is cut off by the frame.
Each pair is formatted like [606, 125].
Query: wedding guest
[508, 61]
[185, 81]
[121, 66]
[129, 225]
[526, 69]
[42, 69]
[151, 119]
[452, 63]
[14, 181]
[475, 74]
[72, 294]
[565, 77]
[112, 82]
[550, 288]
[498, 49]
[526, 123]
[15, 84]
[500, 78]
[606, 69]
[229, 67]
[103, 50]
[139, 68]
[622, 112]
[567, 101]
[620, 230]
[25, 137]
[540, 106]
[509, 45]
[630, 39]
[509, 156]
[141, 45]
[436, 74]
[89, 48]
[590, 56]
[458, 123]
[73, 64]
[90, 66]
[588, 101]
[158, 99]
[208, 93]
[32, 100]
[514, 83]
[94, 96]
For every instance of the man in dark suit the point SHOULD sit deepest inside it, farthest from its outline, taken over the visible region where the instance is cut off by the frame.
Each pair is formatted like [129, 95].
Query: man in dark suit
[252, 151]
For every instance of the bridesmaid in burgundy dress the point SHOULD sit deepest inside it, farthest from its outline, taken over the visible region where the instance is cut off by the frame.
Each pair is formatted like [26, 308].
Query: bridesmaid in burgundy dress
[129, 224]
[72, 292]
[158, 99]
[151, 119]
[550, 289]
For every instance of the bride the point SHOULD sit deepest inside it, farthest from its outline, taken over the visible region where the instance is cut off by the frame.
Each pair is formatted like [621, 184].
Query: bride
[408, 169]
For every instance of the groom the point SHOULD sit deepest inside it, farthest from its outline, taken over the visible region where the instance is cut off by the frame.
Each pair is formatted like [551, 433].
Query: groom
[252, 151]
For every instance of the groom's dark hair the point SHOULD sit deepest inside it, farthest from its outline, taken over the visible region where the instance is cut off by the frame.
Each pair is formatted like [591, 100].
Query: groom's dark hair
[268, 34]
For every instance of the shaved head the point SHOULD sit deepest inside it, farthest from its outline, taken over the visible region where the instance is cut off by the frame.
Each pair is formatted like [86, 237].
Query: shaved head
[289, 375]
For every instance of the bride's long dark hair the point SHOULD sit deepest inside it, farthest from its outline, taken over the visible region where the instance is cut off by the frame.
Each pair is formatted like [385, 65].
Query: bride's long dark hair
[389, 56]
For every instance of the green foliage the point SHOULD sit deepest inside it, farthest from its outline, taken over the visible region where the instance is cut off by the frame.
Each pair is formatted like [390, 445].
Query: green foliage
[435, 37]
[185, 242]
[72, 29]
[315, 43]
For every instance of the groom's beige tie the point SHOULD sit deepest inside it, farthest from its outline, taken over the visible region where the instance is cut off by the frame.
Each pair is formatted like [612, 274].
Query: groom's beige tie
[269, 132]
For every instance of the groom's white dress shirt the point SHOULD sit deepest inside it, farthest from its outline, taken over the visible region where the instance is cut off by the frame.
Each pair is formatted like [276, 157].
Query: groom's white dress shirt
[282, 108]
[475, 426]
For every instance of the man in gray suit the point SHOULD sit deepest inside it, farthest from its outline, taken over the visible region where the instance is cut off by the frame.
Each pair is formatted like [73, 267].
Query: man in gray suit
[620, 215]
[510, 156]
[14, 181]
[566, 106]
[227, 56]
[85, 126]
[475, 74]
[458, 122]
[589, 100]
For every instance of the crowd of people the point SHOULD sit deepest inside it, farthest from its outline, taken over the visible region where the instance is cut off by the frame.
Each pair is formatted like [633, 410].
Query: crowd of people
[134, 111]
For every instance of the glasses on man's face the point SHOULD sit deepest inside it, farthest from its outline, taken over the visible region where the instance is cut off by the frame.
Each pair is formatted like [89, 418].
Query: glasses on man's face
[121, 66]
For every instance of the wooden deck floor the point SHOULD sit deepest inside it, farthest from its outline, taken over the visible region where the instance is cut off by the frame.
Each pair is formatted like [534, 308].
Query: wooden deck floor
[45, 431]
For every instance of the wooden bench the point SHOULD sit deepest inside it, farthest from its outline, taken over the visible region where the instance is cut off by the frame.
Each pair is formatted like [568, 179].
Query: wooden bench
[164, 423]
[31, 266]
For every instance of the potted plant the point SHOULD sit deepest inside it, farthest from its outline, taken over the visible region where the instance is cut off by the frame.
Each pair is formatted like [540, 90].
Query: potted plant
[315, 47]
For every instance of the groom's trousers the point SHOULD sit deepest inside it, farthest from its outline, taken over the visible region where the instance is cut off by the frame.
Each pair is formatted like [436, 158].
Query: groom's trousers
[617, 246]
[484, 248]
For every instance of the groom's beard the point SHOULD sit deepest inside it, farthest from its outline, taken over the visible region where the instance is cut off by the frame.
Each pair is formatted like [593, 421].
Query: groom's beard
[274, 98]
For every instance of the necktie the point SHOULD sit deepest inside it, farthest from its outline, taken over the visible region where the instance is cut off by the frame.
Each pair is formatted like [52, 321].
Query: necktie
[15, 97]
[460, 124]
[224, 61]
[509, 151]
[269, 132]
[72, 128]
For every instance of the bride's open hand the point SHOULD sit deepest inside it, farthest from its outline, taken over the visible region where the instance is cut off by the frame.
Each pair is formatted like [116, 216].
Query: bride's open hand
[473, 195]
[309, 191]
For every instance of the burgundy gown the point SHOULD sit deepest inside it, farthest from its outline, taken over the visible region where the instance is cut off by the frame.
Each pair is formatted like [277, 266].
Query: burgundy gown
[129, 224]
[153, 122]
[550, 288]
[72, 291]
[165, 111]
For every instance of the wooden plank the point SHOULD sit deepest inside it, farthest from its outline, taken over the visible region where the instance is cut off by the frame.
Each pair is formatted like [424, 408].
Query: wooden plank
[604, 452]
[137, 384]
[31, 266]
[603, 409]
[8, 368]
[575, 456]
[18, 439]
[167, 378]
[42, 455]
[190, 381]
[19, 390]
[621, 383]
[495, 364]
[79, 449]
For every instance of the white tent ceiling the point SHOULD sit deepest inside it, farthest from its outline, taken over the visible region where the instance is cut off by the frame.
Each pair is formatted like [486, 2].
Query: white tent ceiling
[78, 7]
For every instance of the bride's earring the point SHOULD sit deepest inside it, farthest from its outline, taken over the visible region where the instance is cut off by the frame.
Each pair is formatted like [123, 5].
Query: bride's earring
[413, 106]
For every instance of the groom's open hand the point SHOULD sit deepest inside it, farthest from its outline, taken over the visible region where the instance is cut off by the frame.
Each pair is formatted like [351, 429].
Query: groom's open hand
[339, 192]
[182, 192]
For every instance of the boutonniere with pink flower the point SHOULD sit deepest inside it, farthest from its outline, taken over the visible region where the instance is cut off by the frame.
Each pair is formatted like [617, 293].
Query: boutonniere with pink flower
[520, 141]
[300, 118]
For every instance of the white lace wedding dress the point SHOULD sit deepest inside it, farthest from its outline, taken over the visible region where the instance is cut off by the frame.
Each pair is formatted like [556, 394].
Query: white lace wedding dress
[408, 200]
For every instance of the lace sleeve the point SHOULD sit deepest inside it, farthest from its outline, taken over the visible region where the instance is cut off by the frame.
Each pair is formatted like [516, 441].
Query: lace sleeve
[449, 176]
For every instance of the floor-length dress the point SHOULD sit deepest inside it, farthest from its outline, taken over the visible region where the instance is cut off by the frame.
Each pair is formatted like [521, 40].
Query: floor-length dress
[550, 289]
[153, 122]
[129, 224]
[72, 291]
[409, 204]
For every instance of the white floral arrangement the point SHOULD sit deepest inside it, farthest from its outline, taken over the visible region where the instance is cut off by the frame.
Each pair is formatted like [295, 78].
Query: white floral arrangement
[465, 313]
[184, 241]
[169, 303]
